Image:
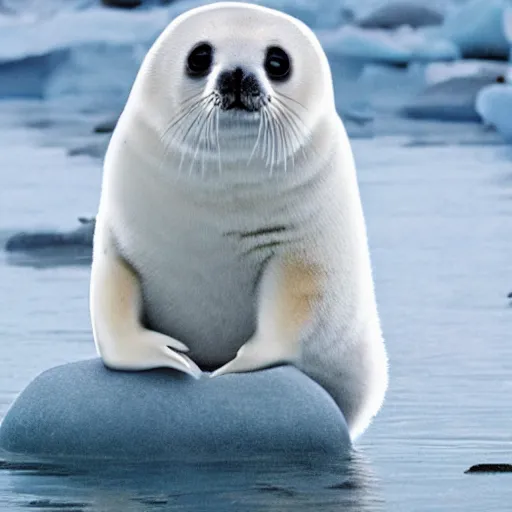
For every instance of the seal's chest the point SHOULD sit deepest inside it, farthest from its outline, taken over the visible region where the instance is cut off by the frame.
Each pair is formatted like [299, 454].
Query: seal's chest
[196, 288]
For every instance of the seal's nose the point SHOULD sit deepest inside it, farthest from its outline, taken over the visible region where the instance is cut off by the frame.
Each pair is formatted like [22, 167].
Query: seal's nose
[230, 82]
[239, 90]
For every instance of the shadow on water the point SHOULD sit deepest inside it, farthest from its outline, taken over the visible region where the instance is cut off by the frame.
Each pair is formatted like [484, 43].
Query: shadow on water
[73, 256]
[251, 484]
[46, 249]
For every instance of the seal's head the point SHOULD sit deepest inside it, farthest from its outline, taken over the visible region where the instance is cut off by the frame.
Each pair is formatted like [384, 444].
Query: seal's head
[237, 73]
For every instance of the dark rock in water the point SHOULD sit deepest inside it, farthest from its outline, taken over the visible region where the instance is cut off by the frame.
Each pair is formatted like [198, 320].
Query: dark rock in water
[450, 100]
[84, 410]
[106, 126]
[509, 295]
[125, 4]
[397, 14]
[484, 53]
[26, 241]
[490, 468]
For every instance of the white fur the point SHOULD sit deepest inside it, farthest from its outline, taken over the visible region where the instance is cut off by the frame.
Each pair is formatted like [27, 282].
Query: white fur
[173, 248]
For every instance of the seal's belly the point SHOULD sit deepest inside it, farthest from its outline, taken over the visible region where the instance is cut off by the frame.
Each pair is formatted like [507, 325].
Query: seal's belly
[196, 287]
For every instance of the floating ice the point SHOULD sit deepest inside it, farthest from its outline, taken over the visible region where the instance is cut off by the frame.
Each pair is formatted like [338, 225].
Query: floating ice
[396, 14]
[507, 24]
[93, 41]
[398, 47]
[494, 104]
[477, 28]
[451, 91]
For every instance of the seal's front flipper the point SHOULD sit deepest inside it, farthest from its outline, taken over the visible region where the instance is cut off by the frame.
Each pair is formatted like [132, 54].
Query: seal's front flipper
[161, 340]
[164, 346]
[116, 310]
[259, 353]
[289, 291]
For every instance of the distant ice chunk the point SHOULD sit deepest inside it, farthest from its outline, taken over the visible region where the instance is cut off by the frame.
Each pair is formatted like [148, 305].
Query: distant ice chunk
[477, 28]
[494, 104]
[364, 45]
[69, 29]
[451, 91]
[28, 76]
[377, 46]
[75, 52]
[426, 47]
[351, 50]
[507, 24]
[441, 71]
[450, 100]
[96, 40]
[89, 75]
[397, 14]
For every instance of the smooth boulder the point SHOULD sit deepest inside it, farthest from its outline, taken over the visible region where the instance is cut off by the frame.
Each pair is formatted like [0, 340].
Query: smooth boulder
[84, 410]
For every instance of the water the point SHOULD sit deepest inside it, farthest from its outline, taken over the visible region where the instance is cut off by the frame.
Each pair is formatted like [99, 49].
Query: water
[438, 203]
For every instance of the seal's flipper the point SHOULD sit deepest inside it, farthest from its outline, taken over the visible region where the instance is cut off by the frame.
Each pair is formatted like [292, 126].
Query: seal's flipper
[116, 310]
[289, 291]
[257, 354]
[161, 340]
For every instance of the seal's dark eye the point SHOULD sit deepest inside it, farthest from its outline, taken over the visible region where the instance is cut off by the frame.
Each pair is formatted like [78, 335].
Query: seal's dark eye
[277, 63]
[200, 60]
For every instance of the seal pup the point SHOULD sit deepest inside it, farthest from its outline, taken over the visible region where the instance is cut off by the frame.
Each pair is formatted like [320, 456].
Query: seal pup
[230, 234]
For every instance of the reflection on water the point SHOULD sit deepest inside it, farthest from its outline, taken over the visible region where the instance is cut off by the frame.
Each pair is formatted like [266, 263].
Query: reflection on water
[51, 257]
[228, 486]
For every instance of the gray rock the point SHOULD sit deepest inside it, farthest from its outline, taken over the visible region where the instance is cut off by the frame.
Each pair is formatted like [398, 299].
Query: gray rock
[84, 410]
[397, 14]
[125, 4]
[490, 468]
[106, 126]
[132, 4]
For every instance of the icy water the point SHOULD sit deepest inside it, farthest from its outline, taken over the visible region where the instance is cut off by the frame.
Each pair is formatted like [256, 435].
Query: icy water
[438, 201]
